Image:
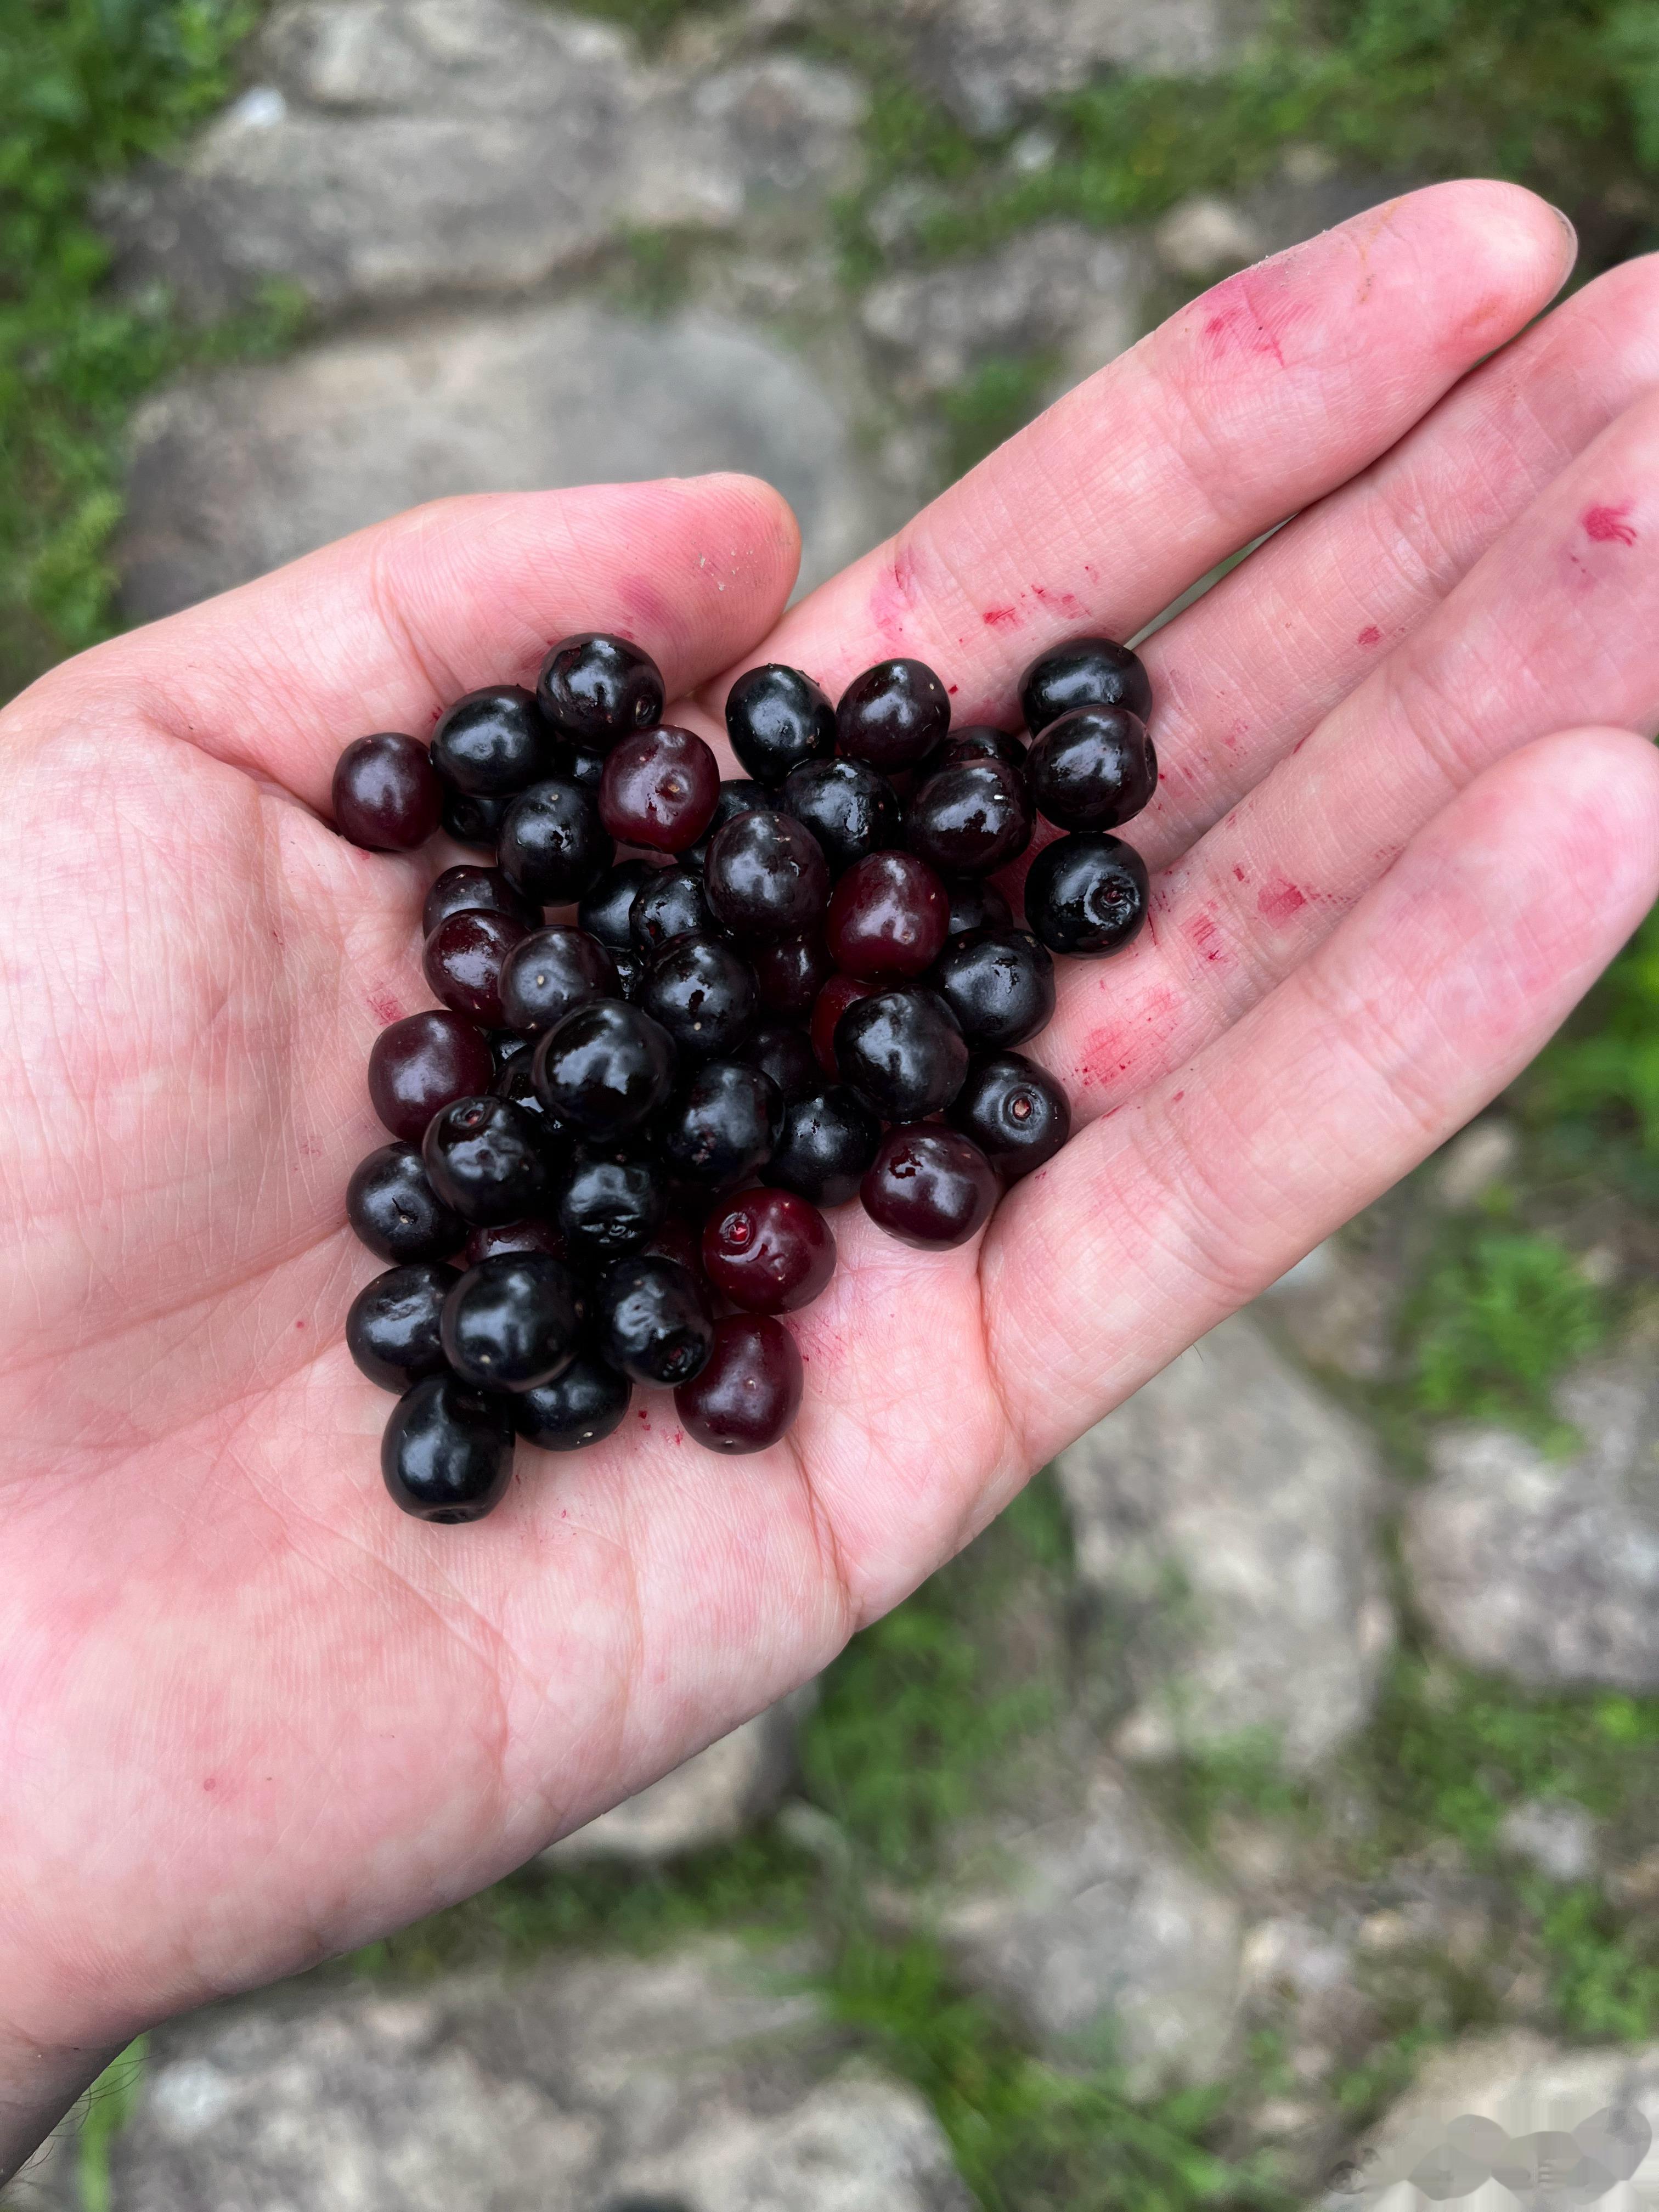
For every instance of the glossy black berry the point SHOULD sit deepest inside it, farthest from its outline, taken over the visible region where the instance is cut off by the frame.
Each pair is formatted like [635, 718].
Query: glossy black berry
[1093, 769]
[463, 960]
[386, 796]
[605, 907]
[791, 971]
[971, 817]
[833, 1001]
[1000, 986]
[611, 1203]
[1086, 894]
[902, 1053]
[469, 889]
[672, 904]
[931, 1188]
[703, 994]
[766, 876]
[632, 969]
[1085, 671]
[517, 1083]
[584, 1404]
[424, 1062]
[605, 1068]
[749, 1392]
[828, 1140]
[595, 689]
[738, 796]
[892, 715]
[850, 808]
[720, 1125]
[975, 741]
[975, 904]
[785, 1053]
[493, 743]
[653, 1321]
[447, 1452]
[888, 917]
[513, 1237]
[586, 770]
[505, 1046]
[1014, 1111]
[553, 845]
[486, 1158]
[551, 971]
[511, 1321]
[777, 718]
[472, 820]
[392, 1204]
[658, 789]
[769, 1251]
[392, 1328]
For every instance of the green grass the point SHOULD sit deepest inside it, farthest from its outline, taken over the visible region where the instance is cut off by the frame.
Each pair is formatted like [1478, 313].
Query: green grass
[109, 2106]
[1500, 1318]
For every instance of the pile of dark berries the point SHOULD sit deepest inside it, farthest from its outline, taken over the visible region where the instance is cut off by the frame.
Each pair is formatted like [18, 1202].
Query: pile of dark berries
[613, 1138]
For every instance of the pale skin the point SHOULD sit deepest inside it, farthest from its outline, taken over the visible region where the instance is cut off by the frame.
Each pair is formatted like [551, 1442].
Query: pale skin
[252, 1715]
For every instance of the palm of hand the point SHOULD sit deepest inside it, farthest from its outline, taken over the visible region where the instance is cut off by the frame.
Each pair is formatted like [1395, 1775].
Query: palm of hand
[254, 1715]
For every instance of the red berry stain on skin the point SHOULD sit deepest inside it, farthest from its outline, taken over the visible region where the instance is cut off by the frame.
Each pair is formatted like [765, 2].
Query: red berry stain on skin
[1241, 875]
[951, 689]
[1177, 1097]
[384, 1006]
[1067, 602]
[1250, 313]
[1279, 899]
[299, 1324]
[1370, 635]
[1114, 1051]
[210, 1783]
[1205, 936]
[1002, 618]
[893, 595]
[1610, 526]
[647, 605]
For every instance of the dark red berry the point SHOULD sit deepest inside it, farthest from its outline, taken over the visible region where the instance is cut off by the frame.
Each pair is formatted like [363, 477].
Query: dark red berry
[1014, 1111]
[553, 845]
[596, 689]
[929, 1187]
[493, 743]
[1086, 894]
[769, 1251]
[750, 1391]
[505, 1236]
[423, 1063]
[721, 1125]
[833, 1001]
[605, 1068]
[969, 817]
[672, 904]
[1093, 769]
[786, 1054]
[848, 807]
[828, 1142]
[658, 789]
[1085, 671]
[893, 715]
[888, 917]
[702, 993]
[463, 961]
[999, 984]
[469, 889]
[551, 971]
[902, 1053]
[392, 1206]
[447, 1452]
[654, 1325]
[486, 1158]
[676, 1239]
[386, 794]
[791, 971]
[392, 1328]
[766, 876]
[584, 1404]
[777, 718]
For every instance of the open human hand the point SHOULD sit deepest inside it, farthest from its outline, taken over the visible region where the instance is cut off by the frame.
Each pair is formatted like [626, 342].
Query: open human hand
[252, 1715]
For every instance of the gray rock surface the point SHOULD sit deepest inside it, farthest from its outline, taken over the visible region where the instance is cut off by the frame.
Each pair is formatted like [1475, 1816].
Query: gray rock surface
[1094, 1927]
[1547, 1569]
[1044, 289]
[1554, 1837]
[712, 1799]
[1338, 1307]
[232, 475]
[398, 149]
[696, 2077]
[1224, 1516]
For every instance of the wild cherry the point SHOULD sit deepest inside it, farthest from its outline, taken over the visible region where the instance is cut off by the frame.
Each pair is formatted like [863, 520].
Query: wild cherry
[721, 1124]
[769, 1251]
[902, 1053]
[612, 1203]
[596, 689]
[888, 917]
[766, 876]
[738, 796]
[1085, 671]
[493, 743]
[975, 741]
[658, 789]
[786, 1054]
[893, 715]
[605, 1068]
[585, 769]
[929, 1187]
[1086, 894]
[777, 718]
[581, 1406]
[750, 1391]
[463, 960]
[1014, 1111]
[832, 1002]
[423, 1062]
[468, 889]
[553, 845]
[511, 1321]
[975, 904]
[447, 1452]
[607, 904]
[848, 807]
[528, 1236]
[653, 1321]
[386, 794]
[393, 1207]
[999, 984]
[392, 1330]
[1093, 769]
[486, 1159]
[827, 1141]
[471, 819]
[548, 973]
[702, 993]
[791, 971]
[970, 817]
[672, 904]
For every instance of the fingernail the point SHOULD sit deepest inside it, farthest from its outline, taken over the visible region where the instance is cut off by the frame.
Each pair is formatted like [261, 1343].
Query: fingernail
[1572, 235]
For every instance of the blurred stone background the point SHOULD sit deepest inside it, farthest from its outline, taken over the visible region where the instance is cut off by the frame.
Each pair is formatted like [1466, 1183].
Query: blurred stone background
[1297, 1736]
